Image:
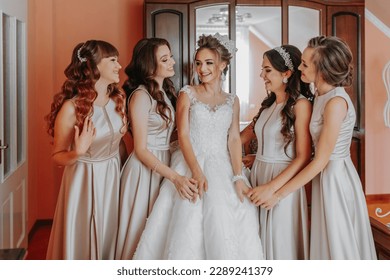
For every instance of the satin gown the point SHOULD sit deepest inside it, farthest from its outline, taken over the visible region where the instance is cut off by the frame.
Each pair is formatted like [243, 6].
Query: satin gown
[140, 185]
[284, 229]
[86, 216]
[218, 226]
[340, 226]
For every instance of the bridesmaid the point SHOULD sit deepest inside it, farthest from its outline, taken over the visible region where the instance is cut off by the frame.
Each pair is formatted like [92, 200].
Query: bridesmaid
[87, 121]
[284, 148]
[340, 227]
[151, 96]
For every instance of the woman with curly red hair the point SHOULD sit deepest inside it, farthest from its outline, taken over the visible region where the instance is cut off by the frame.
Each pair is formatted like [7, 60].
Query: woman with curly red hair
[87, 121]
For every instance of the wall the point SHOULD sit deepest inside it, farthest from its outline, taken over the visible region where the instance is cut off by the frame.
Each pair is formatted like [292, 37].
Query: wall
[377, 135]
[55, 27]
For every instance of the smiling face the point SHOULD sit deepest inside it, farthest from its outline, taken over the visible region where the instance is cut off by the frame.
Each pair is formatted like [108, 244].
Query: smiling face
[208, 66]
[307, 68]
[165, 63]
[273, 79]
[109, 69]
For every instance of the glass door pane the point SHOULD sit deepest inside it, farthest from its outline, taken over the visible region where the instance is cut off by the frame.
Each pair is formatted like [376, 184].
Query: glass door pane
[258, 29]
[303, 24]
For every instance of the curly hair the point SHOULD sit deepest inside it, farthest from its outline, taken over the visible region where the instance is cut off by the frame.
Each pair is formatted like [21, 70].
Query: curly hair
[141, 71]
[81, 75]
[294, 88]
[332, 59]
[212, 43]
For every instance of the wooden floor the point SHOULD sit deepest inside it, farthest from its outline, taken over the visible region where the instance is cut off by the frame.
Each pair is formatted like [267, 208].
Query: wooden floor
[39, 236]
[38, 241]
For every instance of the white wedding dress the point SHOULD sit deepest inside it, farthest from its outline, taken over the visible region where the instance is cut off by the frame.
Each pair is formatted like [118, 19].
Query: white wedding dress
[218, 226]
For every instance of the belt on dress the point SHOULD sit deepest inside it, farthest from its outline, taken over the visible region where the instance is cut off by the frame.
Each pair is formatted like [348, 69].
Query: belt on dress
[100, 159]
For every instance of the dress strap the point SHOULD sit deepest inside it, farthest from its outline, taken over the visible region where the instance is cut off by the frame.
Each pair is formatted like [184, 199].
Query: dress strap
[141, 88]
[187, 90]
[230, 98]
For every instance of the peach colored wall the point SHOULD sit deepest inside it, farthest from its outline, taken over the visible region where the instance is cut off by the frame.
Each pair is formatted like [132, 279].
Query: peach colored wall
[377, 135]
[54, 28]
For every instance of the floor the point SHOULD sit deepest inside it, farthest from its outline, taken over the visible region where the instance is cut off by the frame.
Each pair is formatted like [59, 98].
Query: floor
[38, 241]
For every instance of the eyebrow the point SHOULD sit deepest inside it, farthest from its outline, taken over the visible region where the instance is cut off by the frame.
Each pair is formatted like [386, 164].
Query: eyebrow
[163, 56]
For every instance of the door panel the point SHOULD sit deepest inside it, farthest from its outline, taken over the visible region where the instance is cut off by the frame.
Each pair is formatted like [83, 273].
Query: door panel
[13, 130]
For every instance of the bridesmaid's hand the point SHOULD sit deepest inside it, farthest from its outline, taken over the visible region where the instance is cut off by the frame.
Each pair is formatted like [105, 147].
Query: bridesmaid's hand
[84, 139]
[202, 183]
[260, 194]
[270, 203]
[186, 187]
[248, 160]
[241, 189]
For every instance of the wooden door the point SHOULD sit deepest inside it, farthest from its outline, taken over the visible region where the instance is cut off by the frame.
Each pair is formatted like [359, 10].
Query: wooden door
[13, 130]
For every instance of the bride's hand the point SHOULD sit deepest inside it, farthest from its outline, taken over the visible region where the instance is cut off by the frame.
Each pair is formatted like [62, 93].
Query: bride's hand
[241, 189]
[186, 187]
[202, 183]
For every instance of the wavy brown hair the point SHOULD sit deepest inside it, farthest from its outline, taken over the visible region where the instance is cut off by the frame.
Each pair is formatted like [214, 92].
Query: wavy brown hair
[141, 71]
[294, 88]
[79, 85]
[332, 59]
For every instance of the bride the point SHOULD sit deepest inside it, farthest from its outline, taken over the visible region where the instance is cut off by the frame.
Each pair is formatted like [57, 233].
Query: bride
[214, 220]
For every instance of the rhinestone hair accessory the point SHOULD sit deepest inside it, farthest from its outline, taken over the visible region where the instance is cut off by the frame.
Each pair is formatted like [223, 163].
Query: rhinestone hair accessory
[226, 42]
[286, 57]
[82, 59]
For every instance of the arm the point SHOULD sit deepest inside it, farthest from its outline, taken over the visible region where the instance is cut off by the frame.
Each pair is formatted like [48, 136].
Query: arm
[235, 149]
[302, 110]
[139, 108]
[183, 130]
[66, 132]
[334, 114]
[246, 136]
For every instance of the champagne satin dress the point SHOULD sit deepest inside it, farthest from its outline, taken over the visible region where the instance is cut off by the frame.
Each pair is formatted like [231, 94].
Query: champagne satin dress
[86, 216]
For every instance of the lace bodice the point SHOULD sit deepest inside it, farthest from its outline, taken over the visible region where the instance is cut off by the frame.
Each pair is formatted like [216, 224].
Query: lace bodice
[209, 126]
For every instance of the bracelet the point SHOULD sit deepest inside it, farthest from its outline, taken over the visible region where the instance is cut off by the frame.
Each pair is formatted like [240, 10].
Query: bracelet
[155, 166]
[238, 177]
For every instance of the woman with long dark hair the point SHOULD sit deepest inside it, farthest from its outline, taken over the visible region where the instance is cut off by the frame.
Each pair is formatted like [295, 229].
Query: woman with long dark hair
[151, 100]
[284, 148]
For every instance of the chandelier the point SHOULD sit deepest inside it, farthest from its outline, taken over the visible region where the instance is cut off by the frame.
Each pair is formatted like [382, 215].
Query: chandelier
[223, 15]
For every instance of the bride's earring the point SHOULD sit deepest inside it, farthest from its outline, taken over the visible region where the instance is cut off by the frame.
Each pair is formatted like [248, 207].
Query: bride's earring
[285, 80]
[223, 76]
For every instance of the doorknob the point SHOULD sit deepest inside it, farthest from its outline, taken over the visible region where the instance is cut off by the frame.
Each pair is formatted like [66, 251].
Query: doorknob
[2, 147]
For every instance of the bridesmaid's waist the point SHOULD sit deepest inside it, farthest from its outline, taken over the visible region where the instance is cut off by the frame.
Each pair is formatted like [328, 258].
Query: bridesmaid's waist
[158, 147]
[339, 157]
[98, 159]
[269, 159]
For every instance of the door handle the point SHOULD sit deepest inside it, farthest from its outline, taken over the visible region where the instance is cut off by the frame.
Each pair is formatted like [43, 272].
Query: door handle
[2, 147]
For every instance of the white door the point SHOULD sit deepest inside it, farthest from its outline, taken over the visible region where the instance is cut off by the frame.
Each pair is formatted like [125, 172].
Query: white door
[13, 129]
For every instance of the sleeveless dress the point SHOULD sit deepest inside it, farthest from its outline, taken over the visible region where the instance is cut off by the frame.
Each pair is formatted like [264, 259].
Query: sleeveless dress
[140, 185]
[284, 229]
[86, 217]
[340, 227]
[218, 226]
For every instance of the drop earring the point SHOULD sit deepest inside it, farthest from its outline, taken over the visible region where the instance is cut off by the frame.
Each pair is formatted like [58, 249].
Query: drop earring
[223, 76]
[285, 80]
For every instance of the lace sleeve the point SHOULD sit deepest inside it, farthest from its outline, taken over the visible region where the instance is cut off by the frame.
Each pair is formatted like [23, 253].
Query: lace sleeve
[187, 90]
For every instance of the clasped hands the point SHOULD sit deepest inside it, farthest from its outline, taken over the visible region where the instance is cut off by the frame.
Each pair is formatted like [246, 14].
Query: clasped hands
[263, 196]
[191, 188]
